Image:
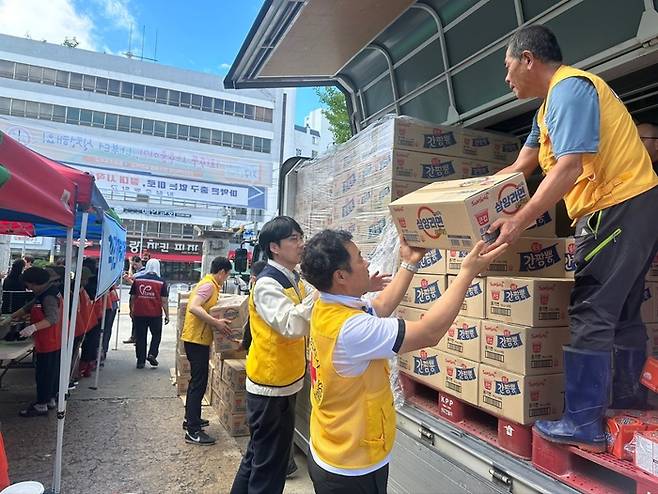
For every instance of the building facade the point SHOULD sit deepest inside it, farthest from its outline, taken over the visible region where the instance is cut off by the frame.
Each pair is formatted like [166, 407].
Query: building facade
[172, 151]
[314, 137]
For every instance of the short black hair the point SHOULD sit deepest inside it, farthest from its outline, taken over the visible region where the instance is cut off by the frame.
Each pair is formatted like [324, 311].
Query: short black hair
[220, 263]
[257, 267]
[135, 259]
[276, 230]
[29, 259]
[35, 276]
[538, 40]
[323, 255]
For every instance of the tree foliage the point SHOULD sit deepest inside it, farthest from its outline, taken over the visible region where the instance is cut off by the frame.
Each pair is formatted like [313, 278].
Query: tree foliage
[335, 109]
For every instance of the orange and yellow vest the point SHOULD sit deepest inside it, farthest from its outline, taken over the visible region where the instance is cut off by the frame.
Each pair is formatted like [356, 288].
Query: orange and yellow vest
[274, 360]
[620, 170]
[194, 329]
[352, 418]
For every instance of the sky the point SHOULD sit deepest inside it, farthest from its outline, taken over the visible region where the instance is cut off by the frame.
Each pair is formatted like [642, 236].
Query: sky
[203, 35]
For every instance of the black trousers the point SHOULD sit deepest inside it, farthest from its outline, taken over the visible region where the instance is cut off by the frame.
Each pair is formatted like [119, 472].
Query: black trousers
[198, 356]
[330, 483]
[46, 373]
[90, 344]
[142, 325]
[614, 249]
[264, 464]
[110, 314]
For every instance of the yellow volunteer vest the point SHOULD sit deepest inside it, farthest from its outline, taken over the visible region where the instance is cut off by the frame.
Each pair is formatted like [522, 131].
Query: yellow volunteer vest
[194, 329]
[352, 418]
[619, 171]
[274, 360]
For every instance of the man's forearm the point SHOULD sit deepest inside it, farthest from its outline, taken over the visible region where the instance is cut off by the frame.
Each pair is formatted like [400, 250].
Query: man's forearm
[387, 301]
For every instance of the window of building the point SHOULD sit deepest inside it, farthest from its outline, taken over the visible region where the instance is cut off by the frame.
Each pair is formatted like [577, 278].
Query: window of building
[159, 128]
[73, 116]
[32, 109]
[111, 121]
[314, 154]
[216, 137]
[101, 85]
[315, 140]
[259, 114]
[185, 99]
[238, 141]
[206, 103]
[135, 125]
[138, 91]
[124, 123]
[196, 101]
[114, 88]
[150, 93]
[194, 134]
[174, 98]
[98, 119]
[88, 82]
[7, 69]
[218, 105]
[126, 89]
[85, 117]
[75, 81]
[49, 76]
[229, 107]
[147, 127]
[62, 79]
[184, 132]
[249, 111]
[18, 108]
[162, 96]
[59, 113]
[239, 109]
[268, 114]
[204, 136]
[267, 146]
[227, 139]
[45, 111]
[21, 72]
[34, 74]
[172, 130]
[5, 105]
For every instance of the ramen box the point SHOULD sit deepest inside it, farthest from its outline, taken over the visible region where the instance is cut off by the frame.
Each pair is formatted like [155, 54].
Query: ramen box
[463, 338]
[422, 365]
[456, 214]
[433, 262]
[424, 290]
[459, 377]
[537, 302]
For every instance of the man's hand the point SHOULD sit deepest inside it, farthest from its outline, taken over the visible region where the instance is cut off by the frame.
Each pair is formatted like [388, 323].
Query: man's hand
[476, 261]
[166, 320]
[378, 281]
[28, 331]
[510, 228]
[223, 325]
[409, 254]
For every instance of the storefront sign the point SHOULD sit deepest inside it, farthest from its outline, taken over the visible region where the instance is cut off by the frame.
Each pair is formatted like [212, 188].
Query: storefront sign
[154, 246]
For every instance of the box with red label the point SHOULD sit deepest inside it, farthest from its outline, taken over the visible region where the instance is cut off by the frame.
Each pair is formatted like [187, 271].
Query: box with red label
[646, 451]
[235, 400]
[652, 274]
[538, 302]
[409, 313]
[620, 430]
[522, 349]
[234, 423]
[569, 256]
[474, 304]
[649, 377]
[424, 290]
[649, 307]
[234, 373]
[535, 257]
[459, 377]
[434, 262]
[521, 399]
[430, 168]
[652, 341]
[462, 338]
[458, 213]
[422, 365]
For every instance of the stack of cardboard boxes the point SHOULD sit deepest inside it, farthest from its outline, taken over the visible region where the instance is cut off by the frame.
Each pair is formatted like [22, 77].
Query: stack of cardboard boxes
[503, 353]
[182, 370]
[650, 308]
[230, 396]
[350, 188]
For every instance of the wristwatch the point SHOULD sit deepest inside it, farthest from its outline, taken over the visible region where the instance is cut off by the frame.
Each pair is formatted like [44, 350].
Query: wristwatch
[409, 267]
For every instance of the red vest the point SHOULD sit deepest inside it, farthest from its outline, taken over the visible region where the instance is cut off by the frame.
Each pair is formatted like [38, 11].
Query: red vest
[147, 300]
[84, 321]
[48, 339]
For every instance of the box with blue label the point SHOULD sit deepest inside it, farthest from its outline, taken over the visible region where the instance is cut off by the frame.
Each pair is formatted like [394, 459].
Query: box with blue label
[458, 213]
[475, 299]
[423, 366]
[522, 349]
[535, 257]
[424, 290]
[463, 338]
[459, 377]
[537, 302]
[521, 399]
[433, 262]
[429, 168]
[543, 227]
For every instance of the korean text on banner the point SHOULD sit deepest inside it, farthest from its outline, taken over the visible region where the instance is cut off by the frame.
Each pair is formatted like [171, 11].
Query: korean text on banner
[113, 253]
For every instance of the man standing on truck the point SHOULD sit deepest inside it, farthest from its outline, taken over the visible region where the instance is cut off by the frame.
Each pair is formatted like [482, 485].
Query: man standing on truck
[589, 149]
[351, 340]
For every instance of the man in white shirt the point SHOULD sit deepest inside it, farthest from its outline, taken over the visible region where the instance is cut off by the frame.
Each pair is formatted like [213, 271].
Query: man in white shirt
[353, 418]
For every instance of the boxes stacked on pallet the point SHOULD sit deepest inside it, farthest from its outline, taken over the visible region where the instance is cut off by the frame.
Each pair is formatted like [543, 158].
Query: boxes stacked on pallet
[650, 307]
[230, 396]
[182, 364]
[351, 188]
[507, 341]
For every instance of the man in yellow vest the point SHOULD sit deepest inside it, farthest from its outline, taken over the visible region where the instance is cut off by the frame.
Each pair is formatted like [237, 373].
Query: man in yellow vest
[589, 149]
[197, 336]
[351, 340]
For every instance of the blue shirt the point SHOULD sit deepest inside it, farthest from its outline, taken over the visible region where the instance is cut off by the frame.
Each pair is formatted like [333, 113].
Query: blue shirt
[572, 118]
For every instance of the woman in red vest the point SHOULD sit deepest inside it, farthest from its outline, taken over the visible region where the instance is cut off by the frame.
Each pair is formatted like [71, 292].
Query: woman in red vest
[46, 329]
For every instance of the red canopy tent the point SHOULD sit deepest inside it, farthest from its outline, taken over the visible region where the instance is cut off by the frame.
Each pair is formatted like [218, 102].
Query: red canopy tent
[35, 190]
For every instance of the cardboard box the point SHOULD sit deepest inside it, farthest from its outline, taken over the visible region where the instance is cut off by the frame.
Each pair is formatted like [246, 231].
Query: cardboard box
[459, 377]
[537, 302]
[409, 313]
[522, 399]
[652, 341]
[182, 383]
[429, 168]
[458, 213]
[646, 451]
[183, 365]
[234, 423]
[235, 308]
[422, 365]
[543, 227]
[463, 338]
[535, 257]
[416, 135]
[235, 401]
[649, 307]
[234, 373]
[474, 304]
[434, 262]
[569, 256]
[424, 290]
[217, 379]
[522, 349]
[401, 188]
